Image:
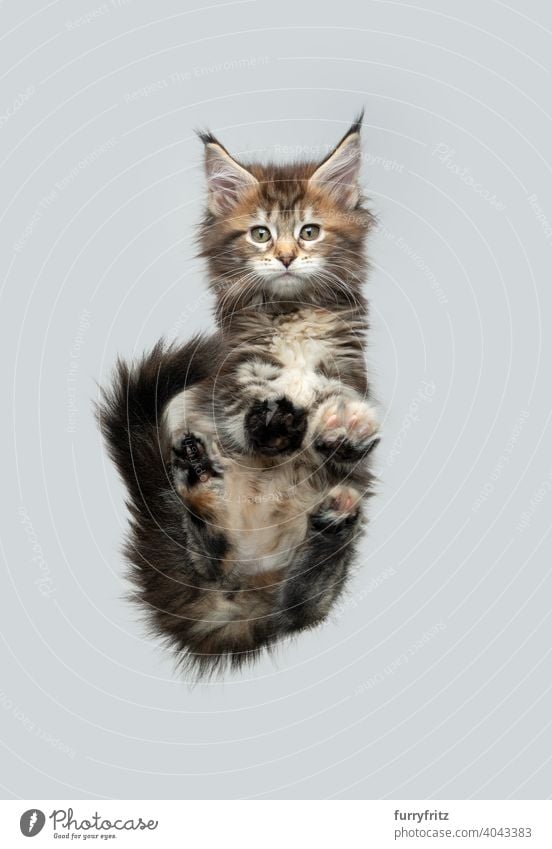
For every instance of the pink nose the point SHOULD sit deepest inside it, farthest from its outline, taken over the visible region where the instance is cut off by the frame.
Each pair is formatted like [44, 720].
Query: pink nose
[286, 259]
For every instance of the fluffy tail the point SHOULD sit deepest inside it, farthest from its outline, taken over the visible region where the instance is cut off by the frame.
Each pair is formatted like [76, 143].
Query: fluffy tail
[130, 416]
[131, 411]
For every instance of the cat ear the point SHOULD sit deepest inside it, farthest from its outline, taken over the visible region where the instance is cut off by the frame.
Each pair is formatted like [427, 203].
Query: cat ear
[227, 180]
[339, 171]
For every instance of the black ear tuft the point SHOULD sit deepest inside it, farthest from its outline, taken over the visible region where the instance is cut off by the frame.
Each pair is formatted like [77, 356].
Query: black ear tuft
[356, 126]
[207, 137]
[227, 180]
[338, 172]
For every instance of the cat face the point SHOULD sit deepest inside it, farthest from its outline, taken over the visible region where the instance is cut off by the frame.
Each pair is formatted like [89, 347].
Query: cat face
[285, 232]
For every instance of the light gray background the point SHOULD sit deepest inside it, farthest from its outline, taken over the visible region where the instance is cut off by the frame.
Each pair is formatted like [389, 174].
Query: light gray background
[433, 680]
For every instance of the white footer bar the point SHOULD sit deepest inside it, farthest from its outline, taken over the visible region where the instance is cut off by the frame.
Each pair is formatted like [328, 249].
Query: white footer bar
[280, 824]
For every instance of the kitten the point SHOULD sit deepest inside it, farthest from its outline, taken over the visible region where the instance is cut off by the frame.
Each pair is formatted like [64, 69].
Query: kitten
[245, 453]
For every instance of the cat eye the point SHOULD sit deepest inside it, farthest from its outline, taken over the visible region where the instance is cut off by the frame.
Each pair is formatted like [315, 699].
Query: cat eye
[260, 234]
[309, 232]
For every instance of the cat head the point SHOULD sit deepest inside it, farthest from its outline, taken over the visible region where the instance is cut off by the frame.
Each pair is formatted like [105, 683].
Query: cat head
[285, 233]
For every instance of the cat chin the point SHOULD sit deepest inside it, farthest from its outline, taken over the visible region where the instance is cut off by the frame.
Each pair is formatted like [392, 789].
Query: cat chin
[285, 280]
[286, 284]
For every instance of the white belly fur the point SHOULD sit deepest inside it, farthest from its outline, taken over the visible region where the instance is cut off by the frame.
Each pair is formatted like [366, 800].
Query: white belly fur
[266, 515]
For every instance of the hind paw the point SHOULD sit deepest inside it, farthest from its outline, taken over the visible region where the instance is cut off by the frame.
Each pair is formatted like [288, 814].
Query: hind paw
[340, 509]
[192, 463]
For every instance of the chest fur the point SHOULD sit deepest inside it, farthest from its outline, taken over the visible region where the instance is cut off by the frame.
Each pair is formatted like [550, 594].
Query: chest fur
[303, 340]
[302, 344]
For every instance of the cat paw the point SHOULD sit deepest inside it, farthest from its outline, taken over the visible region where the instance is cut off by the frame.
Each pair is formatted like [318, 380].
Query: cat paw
[192, 463]
[345, 430]
[339, 510]
[275, 427]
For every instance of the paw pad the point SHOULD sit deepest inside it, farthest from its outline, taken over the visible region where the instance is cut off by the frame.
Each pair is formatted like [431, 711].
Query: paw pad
[275, 427]
[347, 430]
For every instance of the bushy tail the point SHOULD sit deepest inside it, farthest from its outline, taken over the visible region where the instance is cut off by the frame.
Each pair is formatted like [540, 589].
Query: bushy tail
[130, 413]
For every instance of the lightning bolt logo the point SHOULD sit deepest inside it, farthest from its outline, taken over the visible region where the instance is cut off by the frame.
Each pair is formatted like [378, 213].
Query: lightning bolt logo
[32, 820]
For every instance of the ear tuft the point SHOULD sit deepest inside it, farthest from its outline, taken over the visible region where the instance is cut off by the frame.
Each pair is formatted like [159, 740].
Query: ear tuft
[227, 180]
[338, 173]
[207, 137]
[356, 126]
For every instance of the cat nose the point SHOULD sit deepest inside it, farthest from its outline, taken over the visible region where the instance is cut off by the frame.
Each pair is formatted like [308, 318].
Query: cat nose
[286, 259]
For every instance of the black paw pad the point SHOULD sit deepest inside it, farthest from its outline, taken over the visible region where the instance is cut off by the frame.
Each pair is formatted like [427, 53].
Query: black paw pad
[275, 427]
[191, 460]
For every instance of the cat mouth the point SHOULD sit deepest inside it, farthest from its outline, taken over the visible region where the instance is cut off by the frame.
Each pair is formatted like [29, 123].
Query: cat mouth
[287, 275]
[287, 278]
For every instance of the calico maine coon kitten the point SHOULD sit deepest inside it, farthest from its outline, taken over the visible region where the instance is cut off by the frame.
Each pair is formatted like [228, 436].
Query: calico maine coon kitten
[245, 453]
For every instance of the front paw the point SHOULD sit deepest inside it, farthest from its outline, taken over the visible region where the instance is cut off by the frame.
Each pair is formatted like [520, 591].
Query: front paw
[339, 511]
[275, 427]
[345, 430]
